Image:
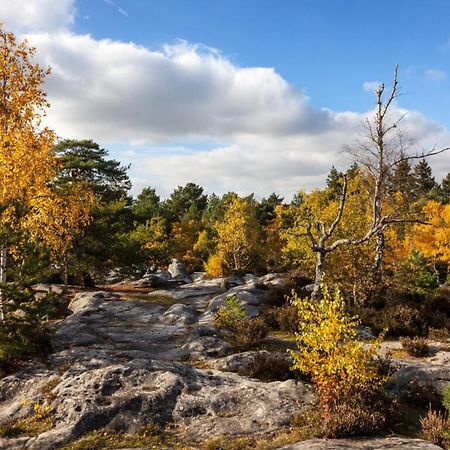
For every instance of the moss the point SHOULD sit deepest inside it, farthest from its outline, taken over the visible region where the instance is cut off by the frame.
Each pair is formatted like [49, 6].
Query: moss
[39, 422]
[147, 437]
[163, 300]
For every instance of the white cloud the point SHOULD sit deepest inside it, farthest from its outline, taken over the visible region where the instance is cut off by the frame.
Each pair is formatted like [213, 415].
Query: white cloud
[436, 74]
[187, 113]
[371, 86]
[37, 15]
[120, 91]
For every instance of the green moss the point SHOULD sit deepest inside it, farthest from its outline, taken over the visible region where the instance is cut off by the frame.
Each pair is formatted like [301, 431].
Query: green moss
[163, 300]
[146, 437]
[40, 422]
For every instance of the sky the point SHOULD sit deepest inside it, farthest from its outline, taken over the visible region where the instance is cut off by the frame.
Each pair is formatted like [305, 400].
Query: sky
[237, 95]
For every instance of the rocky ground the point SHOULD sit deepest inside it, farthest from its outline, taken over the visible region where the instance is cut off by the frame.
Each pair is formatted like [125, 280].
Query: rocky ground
[122, 363]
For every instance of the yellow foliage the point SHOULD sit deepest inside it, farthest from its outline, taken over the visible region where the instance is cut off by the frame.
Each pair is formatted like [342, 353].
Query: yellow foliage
[214, 266]
[328, 350]
[433, 239]
[238, 237]
[28, 166]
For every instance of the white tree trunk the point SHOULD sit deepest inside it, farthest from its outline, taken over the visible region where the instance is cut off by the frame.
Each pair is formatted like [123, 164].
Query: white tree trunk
[3, 266]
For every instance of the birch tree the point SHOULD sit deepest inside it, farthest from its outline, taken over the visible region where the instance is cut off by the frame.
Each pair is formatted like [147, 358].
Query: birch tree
[31, 205]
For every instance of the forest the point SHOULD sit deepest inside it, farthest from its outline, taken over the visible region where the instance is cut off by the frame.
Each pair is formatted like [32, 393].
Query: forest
[368, 251]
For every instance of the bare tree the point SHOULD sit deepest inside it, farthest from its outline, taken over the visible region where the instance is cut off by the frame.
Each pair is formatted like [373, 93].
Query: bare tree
[382, 150]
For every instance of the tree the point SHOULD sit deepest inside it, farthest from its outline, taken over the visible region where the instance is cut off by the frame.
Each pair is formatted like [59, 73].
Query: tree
[383, 149]
[147, 205]
[423, 178]
[238, 237]
[32, 206]
[188, 199]
[265, 212]
[99, 246]
[445, 188]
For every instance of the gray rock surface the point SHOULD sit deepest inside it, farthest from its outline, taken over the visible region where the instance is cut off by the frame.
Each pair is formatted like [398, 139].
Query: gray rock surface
[120, 364]
[390, 443]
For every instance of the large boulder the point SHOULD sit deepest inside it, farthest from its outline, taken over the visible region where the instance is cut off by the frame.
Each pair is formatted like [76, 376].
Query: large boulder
[178, 271]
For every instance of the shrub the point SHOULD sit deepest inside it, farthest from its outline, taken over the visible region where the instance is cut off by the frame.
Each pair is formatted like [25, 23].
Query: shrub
[229, 313]
[214, 266]
[242, 332]
[415, 346]
[340, 366]
[446, 397]
[287, 318]
[23, 333]
[403, 320]
[438, 334]
[270, 367]
[435, 428]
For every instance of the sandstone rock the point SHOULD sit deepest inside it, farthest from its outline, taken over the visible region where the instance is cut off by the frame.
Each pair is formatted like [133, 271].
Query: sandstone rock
[250, 298]
[273, 280]
[178, 271]
[90, 299]
[180, 314]
[390, 443]
[42, 287]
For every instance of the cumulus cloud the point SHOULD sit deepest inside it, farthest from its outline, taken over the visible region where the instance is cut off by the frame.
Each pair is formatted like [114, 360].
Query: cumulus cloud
[180, 90]
[187, 113]
[37, 15]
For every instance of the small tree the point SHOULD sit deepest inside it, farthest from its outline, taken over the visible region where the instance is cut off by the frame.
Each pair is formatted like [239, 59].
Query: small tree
[238, 236]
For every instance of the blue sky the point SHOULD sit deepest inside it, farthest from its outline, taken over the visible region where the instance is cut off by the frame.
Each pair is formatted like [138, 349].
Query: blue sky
[245, 95]
[328, 48]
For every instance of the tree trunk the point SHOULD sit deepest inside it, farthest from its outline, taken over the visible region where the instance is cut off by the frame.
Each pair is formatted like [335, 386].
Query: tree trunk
[320, 266]
[377, 267]
[3, 266]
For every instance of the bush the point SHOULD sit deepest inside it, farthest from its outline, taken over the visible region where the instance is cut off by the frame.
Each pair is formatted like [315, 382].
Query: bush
[415, 346]
[242, 332]
[270, 367]
[23, 333]
[439, 334]
[214, 266]
[248, 332]
[287, 318]
[229, 313]
[346, 374]
[403, 320]
[435, 428]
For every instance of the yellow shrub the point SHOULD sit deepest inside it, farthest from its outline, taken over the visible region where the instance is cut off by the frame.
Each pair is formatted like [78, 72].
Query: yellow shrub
[328, 351]
[214, 266]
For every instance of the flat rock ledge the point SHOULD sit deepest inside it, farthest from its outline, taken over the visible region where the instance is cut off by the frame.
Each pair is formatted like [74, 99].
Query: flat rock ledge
[122, 365]
[390, 443]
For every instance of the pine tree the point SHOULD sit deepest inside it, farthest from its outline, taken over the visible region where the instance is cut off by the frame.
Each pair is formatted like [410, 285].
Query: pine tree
[424, 181]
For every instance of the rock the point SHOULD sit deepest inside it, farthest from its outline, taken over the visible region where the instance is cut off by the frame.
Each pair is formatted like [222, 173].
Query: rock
[180, 314]
[178, 271]
[203, 347]
[42, 287]
[161, 280]
[249, 297]
[198, 276]
[240, 362]
[273, 280]
[90, 299]
[365, 333]
[198, 404]
[390, 443]
[419, 373]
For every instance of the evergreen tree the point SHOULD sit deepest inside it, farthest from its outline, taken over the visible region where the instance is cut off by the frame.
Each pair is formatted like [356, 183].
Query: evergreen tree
[424, 181]
[334, 182]
[402, 180]
[445, 189]
[147, 205]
